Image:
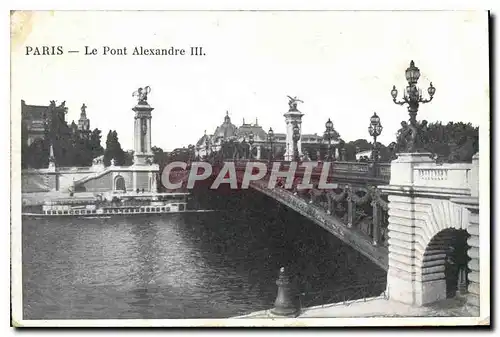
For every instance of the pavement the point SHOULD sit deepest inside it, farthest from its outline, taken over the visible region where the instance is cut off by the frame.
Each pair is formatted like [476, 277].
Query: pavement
[378, 307]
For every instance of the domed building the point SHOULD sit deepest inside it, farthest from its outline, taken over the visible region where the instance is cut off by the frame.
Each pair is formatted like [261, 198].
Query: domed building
[225, 131]
[234, 142]
[202, 144]
[209, 143]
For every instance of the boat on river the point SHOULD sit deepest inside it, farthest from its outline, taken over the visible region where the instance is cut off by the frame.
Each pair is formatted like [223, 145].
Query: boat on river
[120, 205]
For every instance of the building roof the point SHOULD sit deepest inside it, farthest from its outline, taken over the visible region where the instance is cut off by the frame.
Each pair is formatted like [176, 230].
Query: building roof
[201, 141]
[311, 137]
[33, 111]
[257, 130]
[226, 129]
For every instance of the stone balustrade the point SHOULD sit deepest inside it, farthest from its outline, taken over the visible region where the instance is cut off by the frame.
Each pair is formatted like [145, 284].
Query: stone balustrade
[445, 175]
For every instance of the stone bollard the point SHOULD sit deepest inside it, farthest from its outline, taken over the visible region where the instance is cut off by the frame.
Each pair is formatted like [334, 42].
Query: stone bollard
[286, 300]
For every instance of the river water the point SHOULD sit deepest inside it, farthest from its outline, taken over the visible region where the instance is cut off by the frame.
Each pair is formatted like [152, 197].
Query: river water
[209, 265]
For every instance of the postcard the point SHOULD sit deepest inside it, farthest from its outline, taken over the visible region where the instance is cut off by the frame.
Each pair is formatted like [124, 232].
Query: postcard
[250, 168]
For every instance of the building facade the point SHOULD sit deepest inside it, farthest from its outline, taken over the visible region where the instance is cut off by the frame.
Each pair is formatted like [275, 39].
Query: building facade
[234, 141]
[36, 120]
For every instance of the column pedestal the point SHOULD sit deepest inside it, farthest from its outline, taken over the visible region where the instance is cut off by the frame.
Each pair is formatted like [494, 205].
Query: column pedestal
[292, 117]
[142, 134]
[406, 282]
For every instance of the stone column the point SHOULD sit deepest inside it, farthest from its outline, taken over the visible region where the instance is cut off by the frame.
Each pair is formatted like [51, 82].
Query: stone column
[404, 279]
[258, 152]
[142, 115]
[137, 134]
[472, 205]
[292, 117]
[148, 136]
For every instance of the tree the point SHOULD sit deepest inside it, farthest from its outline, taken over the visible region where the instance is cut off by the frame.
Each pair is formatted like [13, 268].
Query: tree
[108, 153]
[38, 155]
[94, 144]
[453, 142]
[356, 146]
[119, 153]
[128, 158]
[158, 154]
[113, 150]
[25, 154]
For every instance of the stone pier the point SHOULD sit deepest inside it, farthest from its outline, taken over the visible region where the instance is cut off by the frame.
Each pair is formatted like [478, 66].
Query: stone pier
[428, 210]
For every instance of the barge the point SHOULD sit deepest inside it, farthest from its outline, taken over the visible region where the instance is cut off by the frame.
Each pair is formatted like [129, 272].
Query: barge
[119, 205]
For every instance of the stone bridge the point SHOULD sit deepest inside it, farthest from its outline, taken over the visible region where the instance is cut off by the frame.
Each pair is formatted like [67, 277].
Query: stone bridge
[417, 219]
[353, 210]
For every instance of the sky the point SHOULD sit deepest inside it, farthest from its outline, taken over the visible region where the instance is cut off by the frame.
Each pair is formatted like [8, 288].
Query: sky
[341, 64]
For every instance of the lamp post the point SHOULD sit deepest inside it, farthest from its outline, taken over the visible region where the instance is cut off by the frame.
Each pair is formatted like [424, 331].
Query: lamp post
[206, 147]
[296, 138]
[270, 138]
[413, 97]
[375, 129]
[213, 148]
[250, 141]
[329, 134]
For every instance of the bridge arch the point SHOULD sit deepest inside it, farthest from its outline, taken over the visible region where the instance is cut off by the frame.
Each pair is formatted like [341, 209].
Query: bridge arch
[443, 264]
[119, 184]
[427, 246]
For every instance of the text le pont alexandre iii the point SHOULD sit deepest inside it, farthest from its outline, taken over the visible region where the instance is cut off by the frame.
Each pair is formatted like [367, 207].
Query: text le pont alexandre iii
[114, 51]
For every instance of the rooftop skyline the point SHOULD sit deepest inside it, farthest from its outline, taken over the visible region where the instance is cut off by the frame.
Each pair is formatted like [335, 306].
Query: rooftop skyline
[338, 67]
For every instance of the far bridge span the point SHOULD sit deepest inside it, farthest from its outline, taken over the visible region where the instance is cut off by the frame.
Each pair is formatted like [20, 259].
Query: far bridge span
[354, 210]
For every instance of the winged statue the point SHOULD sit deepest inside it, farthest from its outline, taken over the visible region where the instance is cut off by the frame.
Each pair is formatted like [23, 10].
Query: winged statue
[142, 94]
[293, 102]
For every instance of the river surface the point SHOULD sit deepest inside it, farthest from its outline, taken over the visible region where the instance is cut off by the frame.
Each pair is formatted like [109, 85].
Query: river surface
[210, 265]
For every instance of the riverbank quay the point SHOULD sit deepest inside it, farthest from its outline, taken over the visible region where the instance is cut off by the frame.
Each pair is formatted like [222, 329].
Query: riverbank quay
[39, 198]
[377, 307]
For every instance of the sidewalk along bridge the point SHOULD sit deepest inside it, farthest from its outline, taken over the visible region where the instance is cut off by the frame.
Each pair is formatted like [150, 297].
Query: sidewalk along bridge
[352, 208]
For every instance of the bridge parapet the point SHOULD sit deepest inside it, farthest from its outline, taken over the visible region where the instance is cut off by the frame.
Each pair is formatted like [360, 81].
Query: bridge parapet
[445, 175]
[379, 173]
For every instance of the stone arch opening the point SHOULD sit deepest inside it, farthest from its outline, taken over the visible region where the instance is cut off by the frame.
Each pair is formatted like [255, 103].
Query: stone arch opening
[444, 265]
[120, 184]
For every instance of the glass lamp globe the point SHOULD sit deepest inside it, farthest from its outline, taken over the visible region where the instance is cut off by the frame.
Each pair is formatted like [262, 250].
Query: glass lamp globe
[394, 92]
[431, 90]
[412, 73]
[329, 124]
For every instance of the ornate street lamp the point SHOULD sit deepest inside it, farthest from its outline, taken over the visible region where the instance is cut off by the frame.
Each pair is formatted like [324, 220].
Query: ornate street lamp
[375, 129]
[206, 147]
[296, 138]
[250, 141]
[270, 138]
[329, 134]
[413, 97]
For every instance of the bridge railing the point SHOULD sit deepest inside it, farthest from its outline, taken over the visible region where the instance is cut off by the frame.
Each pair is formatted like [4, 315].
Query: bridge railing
[360, 209]
[345, 295]
[444, 176]
[381, 171]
